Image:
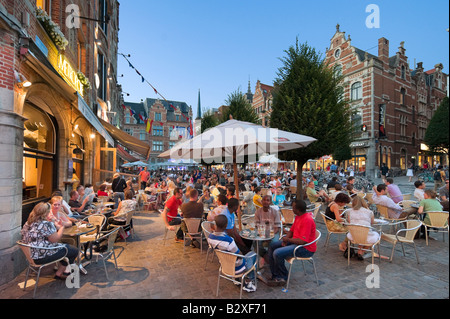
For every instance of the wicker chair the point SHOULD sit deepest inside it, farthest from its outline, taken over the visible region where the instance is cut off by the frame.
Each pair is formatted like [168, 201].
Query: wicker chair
[383, 211]
[99, 221]
[110, 238]
[359, 234]
[330, 232]
[193, 232]
[227, 269]
[438, 221]
[310, 259]
[26, 249]
[128, 224]
[410, 230]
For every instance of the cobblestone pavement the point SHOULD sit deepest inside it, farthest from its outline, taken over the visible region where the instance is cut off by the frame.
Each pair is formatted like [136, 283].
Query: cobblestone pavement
[150, 269]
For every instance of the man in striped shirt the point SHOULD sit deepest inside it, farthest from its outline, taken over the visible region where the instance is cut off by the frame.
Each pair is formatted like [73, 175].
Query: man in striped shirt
[222, 241]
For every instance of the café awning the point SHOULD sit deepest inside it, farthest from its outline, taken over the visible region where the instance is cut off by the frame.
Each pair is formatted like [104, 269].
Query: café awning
[125, 155]
[127, 141]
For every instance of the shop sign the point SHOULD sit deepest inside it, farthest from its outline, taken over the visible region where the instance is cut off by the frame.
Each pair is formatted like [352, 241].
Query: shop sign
[69, 74]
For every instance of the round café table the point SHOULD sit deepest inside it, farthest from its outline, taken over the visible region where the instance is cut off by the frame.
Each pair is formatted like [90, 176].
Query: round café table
[255, 236]
[74, 234]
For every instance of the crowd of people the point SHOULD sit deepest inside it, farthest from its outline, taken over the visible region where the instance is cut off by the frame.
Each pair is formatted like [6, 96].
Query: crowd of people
[212, 196]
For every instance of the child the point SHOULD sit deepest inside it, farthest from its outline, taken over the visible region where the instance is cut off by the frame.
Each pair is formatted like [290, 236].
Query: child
[219, 239]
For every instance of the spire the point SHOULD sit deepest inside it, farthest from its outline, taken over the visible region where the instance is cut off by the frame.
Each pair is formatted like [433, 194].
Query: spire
[199, 110]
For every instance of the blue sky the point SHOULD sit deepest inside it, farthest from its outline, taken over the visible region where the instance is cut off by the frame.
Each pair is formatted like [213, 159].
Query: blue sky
[182, 46]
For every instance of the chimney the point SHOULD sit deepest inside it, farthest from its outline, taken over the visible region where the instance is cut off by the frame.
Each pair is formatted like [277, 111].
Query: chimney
[383, 50]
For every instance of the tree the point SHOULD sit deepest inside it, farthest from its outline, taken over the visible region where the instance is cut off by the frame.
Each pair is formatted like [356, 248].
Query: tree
[239, 108]
[209, 120]
[437, 137]
[308, 100]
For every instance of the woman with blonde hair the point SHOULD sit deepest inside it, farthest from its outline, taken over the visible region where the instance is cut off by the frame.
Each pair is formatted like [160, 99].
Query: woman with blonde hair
[56, 215]
[360, 214]
[38, 231]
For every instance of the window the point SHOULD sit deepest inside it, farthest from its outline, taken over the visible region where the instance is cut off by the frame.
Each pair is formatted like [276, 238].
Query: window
[39, 154]
[402, 96]
[158, 146]
[403, 123]
[357, 91]
[102, 76]
[158, 131]
[337, 54]
[142, 135]
[338, 70]
[158, 117]
[127, 118]
[44, 5]
[102, 13]
[403, 72]
[172, 144]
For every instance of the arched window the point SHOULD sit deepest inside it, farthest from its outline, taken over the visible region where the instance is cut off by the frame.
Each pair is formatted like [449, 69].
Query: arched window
[38, 153]
[356, 91]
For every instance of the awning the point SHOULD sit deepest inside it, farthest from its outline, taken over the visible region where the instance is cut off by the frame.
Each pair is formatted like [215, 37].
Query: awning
[125, 155]
[128, 141]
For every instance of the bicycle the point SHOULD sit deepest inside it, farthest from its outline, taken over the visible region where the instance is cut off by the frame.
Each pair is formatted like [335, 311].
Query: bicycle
[426, 177]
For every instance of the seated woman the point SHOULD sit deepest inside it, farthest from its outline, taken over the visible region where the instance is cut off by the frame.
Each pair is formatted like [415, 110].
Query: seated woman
[257, 199]
[57, 214]
[360, 214]
[334, 220]
[278, 199]
[206, 198]
[429, 204]
[120, 215]
[40, 232]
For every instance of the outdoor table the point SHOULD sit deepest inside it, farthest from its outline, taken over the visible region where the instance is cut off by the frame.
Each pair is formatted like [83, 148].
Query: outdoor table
[76, 232]
[255, 236]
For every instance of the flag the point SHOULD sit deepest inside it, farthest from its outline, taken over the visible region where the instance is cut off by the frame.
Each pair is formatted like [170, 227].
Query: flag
[141, 117]
[149, 125]
[132, 112]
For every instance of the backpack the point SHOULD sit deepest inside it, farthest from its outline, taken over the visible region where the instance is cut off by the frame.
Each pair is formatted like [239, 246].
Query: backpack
[437, 176]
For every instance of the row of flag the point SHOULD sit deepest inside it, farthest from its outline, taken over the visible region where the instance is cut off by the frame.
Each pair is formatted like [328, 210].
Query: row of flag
[149, 123]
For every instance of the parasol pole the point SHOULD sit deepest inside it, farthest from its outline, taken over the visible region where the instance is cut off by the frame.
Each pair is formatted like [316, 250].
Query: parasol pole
[236, 186]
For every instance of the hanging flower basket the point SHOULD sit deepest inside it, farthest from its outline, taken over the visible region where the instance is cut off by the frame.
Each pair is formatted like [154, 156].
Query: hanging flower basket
[84, 80]
[52, 29]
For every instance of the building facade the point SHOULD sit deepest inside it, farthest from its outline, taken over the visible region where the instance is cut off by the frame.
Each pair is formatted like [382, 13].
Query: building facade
[171, 122]
[58, 84]
[262, 102]
[393, 103]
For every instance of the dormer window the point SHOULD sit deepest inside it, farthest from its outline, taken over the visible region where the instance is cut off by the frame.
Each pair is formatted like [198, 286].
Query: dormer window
[337, 54]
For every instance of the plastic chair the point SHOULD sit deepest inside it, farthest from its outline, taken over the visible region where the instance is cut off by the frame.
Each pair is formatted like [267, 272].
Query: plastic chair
[26, 249]
[110, 238]
[192, 225]
[310, 259]
[438, 221]
[227, 269]
[412, 227]
[359, 234]
[330, 232]
[207, 230]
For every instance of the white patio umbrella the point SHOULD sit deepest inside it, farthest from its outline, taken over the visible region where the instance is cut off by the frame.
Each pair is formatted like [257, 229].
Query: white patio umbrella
[233, 141]
[139, 163]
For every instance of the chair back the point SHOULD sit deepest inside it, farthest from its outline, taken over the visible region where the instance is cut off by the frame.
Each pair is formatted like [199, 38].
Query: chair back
[207, 228]
[407, 197]
[412, 226]
[438, 219]
[293, 189]
[129, 217]
[192, 224]
[369, 198]
[98, 220]
[112, 236]
[316, 210]
[383, 210]
[26, 249]
[227, 262]
[362, 195]
[288, 215]
[406, 203]
[359, 233]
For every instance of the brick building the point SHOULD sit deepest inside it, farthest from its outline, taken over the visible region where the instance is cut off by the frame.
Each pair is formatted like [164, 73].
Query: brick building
[262, 102]
[58, 86]
[393, 101]
[171, 124]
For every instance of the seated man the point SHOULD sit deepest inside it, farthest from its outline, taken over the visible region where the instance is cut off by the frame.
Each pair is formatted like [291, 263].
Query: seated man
[220, 240]
[171, 211]
[394, 191]
[192, 209]
[420, 190]
[269, 216]
[302, 232]
[315, 196]
[75, 205]
[395, 211]
[222, 202]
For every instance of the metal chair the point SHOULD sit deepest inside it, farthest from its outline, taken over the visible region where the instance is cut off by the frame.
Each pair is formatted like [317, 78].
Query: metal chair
[438, 221]
[110, 238]
[227, 269]
[330, 232]
[411, 228]
[310, 259]
[207, 230]
[128, 226]
[359, 234]
[99, 221]
[166, 231]
[193, 232]
[26, 249]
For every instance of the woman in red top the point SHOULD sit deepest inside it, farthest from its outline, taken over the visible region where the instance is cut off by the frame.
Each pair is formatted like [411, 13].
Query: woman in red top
[302, 232]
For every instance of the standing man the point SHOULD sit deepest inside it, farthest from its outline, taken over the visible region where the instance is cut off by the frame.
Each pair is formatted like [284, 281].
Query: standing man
[144, 175]
[384, 171]
[118, 187]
